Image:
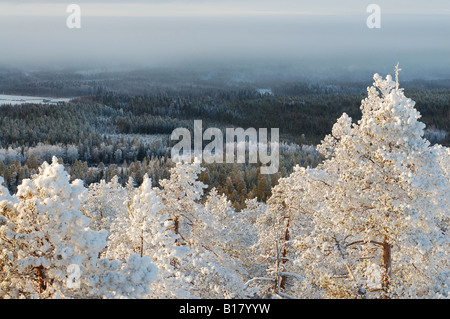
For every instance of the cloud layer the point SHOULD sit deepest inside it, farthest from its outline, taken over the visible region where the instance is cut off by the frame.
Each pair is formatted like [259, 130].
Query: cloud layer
[193, 32]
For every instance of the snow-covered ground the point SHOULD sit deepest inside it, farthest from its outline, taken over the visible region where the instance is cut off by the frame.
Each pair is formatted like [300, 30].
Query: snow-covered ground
[17, 99]
[264, 91]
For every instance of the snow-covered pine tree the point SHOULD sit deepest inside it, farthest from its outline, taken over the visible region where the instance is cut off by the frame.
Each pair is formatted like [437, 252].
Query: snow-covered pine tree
[133, 229]
[442, 199]
[48, 250]
[376, 233]
[142, 229]
[213, 273]
[181, 194]
[219, 209]
[288, 215]
[104, 202]
[228, 234]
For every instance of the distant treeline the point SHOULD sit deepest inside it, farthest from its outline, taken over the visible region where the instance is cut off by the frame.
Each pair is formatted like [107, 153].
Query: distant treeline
[304, 116]
[105, 133]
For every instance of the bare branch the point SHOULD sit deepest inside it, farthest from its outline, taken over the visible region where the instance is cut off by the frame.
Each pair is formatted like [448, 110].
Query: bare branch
[364, 242]
[259, 278]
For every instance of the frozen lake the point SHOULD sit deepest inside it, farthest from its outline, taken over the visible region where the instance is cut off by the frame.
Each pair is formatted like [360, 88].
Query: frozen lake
[17, 99]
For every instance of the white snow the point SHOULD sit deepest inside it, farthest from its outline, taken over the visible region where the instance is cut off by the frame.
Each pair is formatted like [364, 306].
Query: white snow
[264, 91]
[18, 99]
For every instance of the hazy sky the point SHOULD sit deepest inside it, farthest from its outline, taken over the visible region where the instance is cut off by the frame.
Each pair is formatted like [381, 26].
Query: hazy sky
[189, 32]
[219, 7]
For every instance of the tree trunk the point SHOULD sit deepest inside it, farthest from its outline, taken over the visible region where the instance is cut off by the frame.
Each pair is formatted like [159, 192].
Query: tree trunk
[142, 243]
[176, 225]
[386, 261]
[40, 278]
[285, 252]
[276, 288]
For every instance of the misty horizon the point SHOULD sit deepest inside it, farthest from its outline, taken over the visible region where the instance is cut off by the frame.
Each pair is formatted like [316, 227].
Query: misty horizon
[290, 37]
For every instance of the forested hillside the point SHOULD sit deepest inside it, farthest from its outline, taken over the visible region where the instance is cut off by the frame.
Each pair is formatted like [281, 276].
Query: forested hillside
[359, 208]
[110, 133]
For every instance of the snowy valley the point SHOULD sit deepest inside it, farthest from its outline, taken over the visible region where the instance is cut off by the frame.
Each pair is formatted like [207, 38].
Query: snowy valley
[364, 215]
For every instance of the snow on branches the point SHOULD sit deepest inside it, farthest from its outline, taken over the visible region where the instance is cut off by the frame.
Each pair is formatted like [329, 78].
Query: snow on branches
[370, 221]
[44, 234]
[375, 219]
